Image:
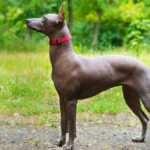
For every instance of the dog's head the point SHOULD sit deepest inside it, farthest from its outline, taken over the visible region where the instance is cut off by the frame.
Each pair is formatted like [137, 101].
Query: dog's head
[48, 24]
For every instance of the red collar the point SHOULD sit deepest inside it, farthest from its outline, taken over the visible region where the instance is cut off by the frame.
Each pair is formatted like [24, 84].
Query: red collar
[59, 40]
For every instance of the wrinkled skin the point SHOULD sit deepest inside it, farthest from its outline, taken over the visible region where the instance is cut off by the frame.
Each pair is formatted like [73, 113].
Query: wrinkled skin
[78, 77]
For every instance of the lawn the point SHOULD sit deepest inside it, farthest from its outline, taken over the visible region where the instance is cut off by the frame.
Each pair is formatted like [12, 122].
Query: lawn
[26, 88]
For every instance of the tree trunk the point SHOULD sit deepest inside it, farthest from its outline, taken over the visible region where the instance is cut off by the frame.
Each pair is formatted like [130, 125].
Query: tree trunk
[70, 10]
[135, 1]
[96, 31]
[4, 20]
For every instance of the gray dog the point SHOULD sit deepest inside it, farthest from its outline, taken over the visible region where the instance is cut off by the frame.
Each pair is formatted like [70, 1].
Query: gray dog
[78, 77]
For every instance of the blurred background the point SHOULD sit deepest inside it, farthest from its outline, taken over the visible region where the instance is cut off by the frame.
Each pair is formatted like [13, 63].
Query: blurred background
[29, 103]
[98, 24]
[98, 27]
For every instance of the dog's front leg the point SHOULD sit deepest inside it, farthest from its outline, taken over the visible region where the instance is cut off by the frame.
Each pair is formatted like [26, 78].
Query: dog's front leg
[64, 122]
[71, 109]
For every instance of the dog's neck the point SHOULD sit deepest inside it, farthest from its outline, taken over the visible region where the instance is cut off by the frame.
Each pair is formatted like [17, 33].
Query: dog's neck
[58, 51]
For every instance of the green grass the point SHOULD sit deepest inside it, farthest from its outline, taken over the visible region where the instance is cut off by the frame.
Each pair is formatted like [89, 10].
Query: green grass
[25, 84]
[26, 88]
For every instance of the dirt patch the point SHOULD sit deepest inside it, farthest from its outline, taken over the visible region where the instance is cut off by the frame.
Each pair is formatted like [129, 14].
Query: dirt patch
[107, 132]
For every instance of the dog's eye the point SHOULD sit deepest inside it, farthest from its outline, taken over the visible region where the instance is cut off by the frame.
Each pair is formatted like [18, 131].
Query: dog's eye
[44, 18]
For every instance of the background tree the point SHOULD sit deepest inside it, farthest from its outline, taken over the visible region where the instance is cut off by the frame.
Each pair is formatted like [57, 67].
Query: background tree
[101, 23]
[70, 14]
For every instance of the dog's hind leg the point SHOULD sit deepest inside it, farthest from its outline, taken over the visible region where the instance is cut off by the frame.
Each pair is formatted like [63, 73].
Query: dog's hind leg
[133, 101]
[143, 89]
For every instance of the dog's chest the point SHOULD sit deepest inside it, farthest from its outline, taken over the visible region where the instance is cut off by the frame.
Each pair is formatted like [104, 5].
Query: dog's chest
[65, 80]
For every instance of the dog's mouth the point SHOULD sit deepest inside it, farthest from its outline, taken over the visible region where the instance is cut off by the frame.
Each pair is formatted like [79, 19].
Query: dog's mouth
[32, 26]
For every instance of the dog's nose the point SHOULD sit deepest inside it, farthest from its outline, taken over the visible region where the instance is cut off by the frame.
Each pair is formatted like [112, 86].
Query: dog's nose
[27, 20]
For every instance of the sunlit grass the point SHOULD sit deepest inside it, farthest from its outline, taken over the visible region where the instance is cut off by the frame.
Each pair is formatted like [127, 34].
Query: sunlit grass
[25, 84]
[26, 87]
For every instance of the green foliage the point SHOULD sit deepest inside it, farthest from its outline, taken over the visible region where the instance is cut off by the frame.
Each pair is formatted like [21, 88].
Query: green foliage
[136, 33]
[121, 23]
[14, 34]
[117, 21]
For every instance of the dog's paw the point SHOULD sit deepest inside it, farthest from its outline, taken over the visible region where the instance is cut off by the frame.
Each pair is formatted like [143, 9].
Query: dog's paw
[60, 142]
[68, 147]
[138, 139]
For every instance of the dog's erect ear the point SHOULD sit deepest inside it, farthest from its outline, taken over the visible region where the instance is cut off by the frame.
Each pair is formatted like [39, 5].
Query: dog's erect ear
[61, 13]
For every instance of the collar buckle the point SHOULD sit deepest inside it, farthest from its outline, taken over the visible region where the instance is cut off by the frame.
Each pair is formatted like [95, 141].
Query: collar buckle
[59, 40]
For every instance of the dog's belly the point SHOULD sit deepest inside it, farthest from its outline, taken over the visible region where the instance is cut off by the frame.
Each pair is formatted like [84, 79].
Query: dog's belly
[91, 92]
[95, 88]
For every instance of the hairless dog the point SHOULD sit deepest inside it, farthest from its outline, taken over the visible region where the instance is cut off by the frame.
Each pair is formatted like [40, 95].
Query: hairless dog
[78, 77]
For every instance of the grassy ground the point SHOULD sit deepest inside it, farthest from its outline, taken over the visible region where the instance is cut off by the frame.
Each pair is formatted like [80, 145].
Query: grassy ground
[26, 88]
